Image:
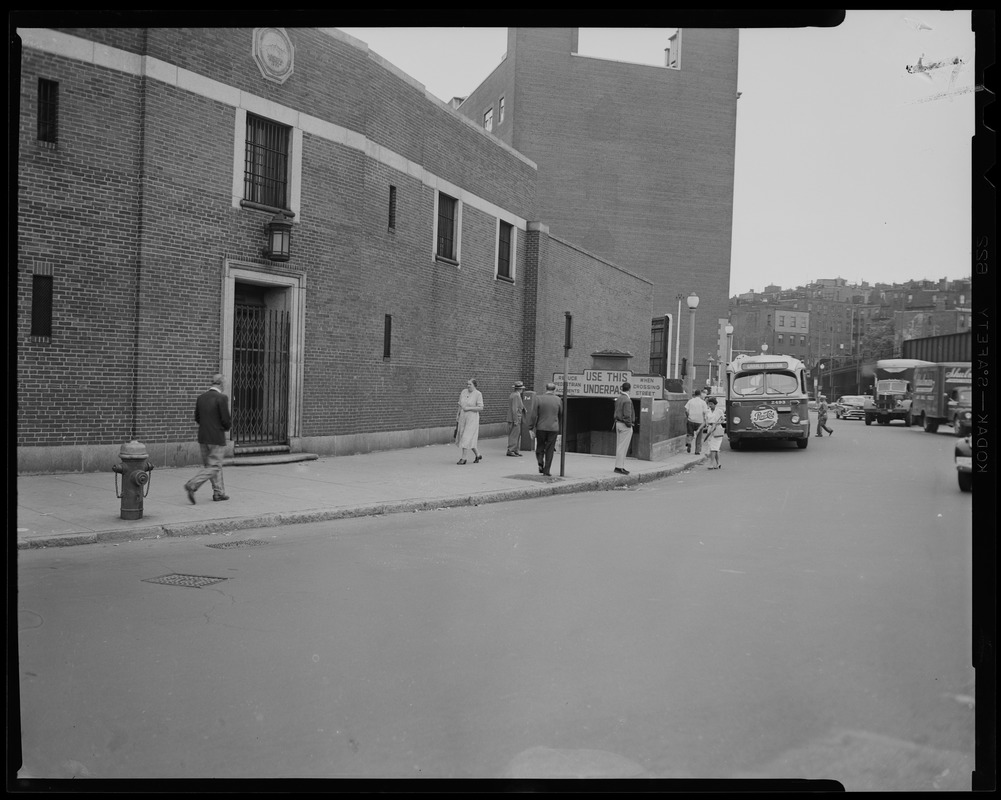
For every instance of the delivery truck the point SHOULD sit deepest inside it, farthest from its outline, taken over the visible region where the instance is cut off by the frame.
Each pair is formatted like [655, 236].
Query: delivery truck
[942, 396]
[891, 393]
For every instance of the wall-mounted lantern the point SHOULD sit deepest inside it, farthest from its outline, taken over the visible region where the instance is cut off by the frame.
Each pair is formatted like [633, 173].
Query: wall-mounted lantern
[279, 238]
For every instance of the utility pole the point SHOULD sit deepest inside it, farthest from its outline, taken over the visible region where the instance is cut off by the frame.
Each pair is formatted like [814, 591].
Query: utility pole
[567, 344]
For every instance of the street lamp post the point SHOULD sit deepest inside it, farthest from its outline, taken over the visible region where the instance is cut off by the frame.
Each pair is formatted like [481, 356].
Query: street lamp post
[693, 303]
[729, 343]
[677, 339]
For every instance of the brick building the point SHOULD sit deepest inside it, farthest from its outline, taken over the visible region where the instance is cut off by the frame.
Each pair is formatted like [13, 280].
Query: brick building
[636, 162]
[151, 164]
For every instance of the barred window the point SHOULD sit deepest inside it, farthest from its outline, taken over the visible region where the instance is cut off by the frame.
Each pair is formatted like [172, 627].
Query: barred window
[41, 306]
[447, 216]
[504, 250]
[48, 111]
[392, 207]
[265, 173]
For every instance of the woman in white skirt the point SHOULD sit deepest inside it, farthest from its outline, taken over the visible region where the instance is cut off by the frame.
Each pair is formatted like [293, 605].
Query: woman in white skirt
[714, 432]
[467, 421]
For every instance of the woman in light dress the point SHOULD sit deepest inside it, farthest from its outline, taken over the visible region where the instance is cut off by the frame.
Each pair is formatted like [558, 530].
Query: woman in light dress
[714, 432]
[468, 421]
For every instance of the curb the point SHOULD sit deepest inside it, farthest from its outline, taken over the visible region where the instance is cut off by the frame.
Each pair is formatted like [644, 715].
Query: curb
[277, 519]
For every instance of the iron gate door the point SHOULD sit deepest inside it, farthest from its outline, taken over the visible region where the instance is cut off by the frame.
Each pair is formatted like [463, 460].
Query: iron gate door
[260, 376]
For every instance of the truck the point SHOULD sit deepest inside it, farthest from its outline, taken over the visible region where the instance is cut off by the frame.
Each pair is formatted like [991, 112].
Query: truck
[891, 391]
[942, 396]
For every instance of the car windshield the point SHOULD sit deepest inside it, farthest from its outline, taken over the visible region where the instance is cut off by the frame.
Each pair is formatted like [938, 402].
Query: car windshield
[759, 383]
[965, 395]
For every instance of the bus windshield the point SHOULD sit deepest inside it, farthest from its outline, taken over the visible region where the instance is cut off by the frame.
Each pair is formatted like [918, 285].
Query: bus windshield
[752, 384]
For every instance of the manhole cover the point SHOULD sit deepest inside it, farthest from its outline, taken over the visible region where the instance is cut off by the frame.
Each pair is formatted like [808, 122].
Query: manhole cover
[242, 543]
[194, 581]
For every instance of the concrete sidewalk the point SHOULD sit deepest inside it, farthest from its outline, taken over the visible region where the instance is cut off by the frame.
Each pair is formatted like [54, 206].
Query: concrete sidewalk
[81, 508]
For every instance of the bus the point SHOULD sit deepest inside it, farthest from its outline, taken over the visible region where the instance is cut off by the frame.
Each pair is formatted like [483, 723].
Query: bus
[766, 398]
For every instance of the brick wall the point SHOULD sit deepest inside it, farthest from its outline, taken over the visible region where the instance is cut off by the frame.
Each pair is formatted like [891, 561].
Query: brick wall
[636, 162]
[136, 221]
[79, 213]
[611, 309]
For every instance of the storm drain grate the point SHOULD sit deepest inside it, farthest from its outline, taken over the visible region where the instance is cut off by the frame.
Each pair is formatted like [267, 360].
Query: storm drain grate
[242, 543]
[194, 581]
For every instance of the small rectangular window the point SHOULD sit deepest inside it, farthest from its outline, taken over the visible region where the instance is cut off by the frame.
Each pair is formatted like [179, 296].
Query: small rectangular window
[41, 306]
[392, 208]
[488, 119]
[48, 111]
[265, 173]
[447, 218]
[500, 111]
[387, 336]
[505, 237]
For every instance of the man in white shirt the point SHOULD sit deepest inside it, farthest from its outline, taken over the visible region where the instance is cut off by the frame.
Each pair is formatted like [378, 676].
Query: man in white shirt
[695, 418]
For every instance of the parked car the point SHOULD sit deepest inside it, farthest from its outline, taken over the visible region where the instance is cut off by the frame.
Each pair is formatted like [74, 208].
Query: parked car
[851, 406]
[964, 463]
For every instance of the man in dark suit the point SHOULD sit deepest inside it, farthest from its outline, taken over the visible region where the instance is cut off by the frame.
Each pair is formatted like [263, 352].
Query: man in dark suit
[515, 413]
[545, 423]
[212, 416]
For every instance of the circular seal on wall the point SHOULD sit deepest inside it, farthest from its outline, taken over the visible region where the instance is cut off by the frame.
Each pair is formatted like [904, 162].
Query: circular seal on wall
[274, 54]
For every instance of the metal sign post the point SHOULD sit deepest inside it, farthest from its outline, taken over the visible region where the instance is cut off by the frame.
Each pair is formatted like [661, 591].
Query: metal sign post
[567, 344]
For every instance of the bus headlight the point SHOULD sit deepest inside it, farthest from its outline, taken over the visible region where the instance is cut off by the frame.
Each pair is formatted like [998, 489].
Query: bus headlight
[735, 420]
[795, 419]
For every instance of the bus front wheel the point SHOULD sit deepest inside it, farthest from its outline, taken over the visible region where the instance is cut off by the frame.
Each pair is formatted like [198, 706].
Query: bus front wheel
[802, 443]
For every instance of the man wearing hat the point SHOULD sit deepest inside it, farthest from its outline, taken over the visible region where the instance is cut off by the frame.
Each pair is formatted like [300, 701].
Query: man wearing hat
[515, 413]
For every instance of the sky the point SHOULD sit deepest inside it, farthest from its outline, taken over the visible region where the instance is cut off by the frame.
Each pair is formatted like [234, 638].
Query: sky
[848, 165]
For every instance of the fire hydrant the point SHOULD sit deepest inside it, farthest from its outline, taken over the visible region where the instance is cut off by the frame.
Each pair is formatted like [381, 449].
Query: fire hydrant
[135, 470]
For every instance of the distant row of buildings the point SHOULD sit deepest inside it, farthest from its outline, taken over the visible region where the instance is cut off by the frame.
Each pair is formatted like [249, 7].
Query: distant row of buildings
[830, 318]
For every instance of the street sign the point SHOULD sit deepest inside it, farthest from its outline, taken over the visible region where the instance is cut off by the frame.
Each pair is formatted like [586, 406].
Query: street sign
[607, 383]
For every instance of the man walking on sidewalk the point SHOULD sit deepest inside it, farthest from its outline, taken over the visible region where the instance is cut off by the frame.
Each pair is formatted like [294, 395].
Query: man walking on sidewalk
[515, 413]
[212, 416]
[695, 419]
[624, 419]
[545, 423]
